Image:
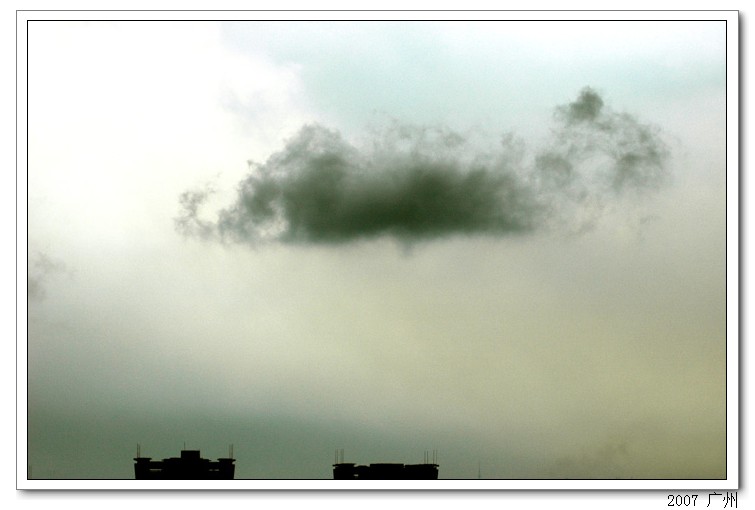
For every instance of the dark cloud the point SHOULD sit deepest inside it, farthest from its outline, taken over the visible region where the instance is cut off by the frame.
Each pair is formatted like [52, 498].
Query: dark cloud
[586, 108]
[415, 183]
[618, 151]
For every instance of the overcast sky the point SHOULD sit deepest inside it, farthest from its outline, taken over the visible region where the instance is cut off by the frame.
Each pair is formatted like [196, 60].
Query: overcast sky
[504, 241]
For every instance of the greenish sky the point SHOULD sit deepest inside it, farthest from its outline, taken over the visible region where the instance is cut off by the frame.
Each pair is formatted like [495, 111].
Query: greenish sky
[569, 328]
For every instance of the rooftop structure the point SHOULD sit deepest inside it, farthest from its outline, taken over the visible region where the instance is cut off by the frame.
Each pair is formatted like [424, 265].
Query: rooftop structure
[386, 471]
[383, 471]
[189, 466]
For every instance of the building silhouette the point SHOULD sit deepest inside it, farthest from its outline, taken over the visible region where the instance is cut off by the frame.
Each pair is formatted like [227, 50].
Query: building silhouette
[189, 466]
[386, 471]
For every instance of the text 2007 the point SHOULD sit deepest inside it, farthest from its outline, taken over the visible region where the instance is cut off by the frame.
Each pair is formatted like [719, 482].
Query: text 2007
[680, 500]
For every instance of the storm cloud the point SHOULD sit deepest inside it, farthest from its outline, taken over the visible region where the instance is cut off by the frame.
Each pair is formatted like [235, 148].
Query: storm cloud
[416, 182]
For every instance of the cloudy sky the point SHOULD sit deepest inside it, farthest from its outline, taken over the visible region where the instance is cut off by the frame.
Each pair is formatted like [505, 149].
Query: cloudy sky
[504, 241]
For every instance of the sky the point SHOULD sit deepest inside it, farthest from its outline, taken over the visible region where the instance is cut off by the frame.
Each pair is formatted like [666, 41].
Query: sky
[503, 241]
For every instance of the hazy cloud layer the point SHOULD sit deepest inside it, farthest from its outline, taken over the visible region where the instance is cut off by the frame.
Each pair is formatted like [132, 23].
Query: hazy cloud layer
[416, 183]
[41, 268]
[516, 350]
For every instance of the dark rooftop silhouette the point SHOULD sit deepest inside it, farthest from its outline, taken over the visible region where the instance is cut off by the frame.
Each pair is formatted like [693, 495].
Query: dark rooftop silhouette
[385, 471]
[189, 466]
